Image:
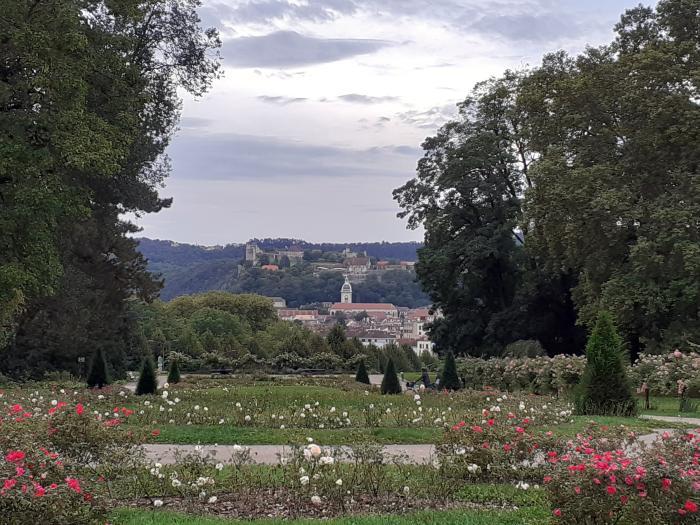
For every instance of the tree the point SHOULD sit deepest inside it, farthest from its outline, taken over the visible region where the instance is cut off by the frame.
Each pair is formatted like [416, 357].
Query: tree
[616, 186]
[390, 381]
[89, 103]
[98, 376]
[604, 388]
[284, 262]
[174, 372]
[148, 382]
[449, 378]
[336, 339]
[468, 196]
[361, 376]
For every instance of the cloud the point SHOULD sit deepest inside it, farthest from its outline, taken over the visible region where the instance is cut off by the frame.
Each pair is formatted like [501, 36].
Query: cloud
[244, 157]
[528, 27]
[268, 11]
[356, 98]
[281, 100]
[284, 49]
[431, 118]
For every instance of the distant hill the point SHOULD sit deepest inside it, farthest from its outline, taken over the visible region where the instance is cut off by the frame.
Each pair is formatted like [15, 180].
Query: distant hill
[189, 268]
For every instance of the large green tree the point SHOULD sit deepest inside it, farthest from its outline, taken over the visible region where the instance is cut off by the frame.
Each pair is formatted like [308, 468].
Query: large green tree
[616, 187]
[88, 103]
[468, 195]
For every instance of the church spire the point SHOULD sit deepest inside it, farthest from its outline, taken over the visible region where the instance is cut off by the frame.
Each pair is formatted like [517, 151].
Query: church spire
[346, 292]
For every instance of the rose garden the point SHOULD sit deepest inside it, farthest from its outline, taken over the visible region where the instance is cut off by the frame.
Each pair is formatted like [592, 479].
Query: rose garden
[517, 445]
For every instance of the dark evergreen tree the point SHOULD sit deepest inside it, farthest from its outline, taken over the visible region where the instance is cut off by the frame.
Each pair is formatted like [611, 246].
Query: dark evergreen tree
[604, 388]
[174, 372]
[449, 378]
[148, 382]
[98, 376]
[390, 382]
[362, 376]
[336, 339]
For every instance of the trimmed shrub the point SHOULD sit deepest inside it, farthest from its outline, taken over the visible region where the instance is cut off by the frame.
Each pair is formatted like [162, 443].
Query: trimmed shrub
[524, 348]
[449, 379]
[390, 382]
[148, 383]
[174, 371]
[98, 376]
[362, 376]
[604, 389]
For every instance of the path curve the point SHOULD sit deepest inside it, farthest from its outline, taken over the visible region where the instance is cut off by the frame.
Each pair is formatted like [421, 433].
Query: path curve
[673, 419]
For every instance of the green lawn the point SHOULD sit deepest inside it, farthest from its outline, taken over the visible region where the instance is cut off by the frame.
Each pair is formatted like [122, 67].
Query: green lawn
[668, 406]
[536, 515]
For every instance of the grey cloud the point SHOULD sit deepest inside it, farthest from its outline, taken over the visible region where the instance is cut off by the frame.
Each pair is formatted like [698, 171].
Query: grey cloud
[528, 27]
[283, 49]
[266, 11]
[281, 100]
[356, 98]
[238, 157]
[431, 118]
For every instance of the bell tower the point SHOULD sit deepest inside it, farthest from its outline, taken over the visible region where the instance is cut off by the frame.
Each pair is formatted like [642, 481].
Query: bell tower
[346, 292]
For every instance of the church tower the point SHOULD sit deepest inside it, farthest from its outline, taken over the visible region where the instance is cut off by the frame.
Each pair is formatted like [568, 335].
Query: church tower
[346, 292]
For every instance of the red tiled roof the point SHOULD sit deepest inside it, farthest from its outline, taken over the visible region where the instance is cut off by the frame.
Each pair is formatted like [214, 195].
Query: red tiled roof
[363, 306]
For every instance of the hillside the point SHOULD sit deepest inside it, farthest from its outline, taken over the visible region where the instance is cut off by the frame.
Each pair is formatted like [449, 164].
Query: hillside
[189, 268]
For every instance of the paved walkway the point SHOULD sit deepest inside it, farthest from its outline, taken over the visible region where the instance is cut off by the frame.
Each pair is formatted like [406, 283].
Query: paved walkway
[674, 419]
[271, 454]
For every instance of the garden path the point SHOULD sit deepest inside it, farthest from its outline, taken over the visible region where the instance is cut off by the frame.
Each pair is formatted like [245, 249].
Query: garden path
[674, 419]
[270, 454]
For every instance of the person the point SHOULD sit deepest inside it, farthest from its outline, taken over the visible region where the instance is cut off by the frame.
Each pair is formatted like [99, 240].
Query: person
[425, 377]
[437, 383]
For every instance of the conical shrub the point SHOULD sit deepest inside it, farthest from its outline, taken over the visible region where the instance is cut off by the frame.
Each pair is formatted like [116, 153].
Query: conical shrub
[604, 389]
[449, 379]
[98, 376]
[362, 376]
[148, 383]
[174, 372]
[390, 382]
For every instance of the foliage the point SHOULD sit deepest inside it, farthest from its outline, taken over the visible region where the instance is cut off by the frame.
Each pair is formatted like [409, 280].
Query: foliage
[98, 376]
[174, 371]
[89, 102]
[521, 348]
[449, 379]
[594, 483]
[468, 197]
[613, 204]
[390, 381]
[604, 387]
[361, 376]
[148, 382]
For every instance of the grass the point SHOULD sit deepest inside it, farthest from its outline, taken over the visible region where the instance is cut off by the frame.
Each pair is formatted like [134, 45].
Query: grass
[534, 515]
[668, 406]
[228, 435]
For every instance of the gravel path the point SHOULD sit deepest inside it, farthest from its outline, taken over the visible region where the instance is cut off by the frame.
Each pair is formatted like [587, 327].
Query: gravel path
[674, 419]
[270, 454]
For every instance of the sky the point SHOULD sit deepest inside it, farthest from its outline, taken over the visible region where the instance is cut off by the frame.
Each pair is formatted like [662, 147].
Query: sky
[323, 106]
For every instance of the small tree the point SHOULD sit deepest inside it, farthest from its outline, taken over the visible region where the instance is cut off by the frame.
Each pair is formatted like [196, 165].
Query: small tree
[390, 382]
[148, 383]
[361, 376]
[449, 378]
[604, 389]
[98, 375]
[174, 372]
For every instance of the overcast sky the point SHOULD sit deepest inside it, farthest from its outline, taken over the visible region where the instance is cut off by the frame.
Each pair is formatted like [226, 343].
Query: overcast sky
[324, 104]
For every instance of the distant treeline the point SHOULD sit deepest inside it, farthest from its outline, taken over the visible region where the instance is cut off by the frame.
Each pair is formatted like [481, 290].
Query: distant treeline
[188, 269]
[176, 254]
